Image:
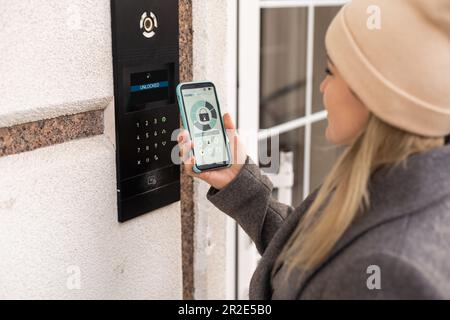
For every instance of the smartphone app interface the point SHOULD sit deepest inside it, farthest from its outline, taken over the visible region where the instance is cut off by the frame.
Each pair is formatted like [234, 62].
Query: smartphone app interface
[205, 125]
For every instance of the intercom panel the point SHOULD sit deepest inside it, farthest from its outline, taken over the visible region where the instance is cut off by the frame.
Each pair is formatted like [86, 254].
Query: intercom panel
[146, 73]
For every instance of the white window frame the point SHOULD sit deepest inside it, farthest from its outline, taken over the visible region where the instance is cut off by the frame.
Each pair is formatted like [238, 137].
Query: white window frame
[248, 104]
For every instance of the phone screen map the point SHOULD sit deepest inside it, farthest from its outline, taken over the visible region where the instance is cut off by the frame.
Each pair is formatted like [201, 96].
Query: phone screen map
[205, 126]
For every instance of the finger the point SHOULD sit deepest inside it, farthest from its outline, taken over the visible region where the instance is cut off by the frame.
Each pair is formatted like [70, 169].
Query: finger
[204, 175]
[228, 122]
[185, 150]
[188, 165]
[182, 136]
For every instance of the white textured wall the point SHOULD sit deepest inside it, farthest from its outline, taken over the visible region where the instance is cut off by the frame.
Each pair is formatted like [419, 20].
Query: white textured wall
[55, 58]
[58, 210]
[214, 53]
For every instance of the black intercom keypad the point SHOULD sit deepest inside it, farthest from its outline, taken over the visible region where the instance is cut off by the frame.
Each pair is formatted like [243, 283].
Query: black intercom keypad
[146, 73]
[153, 141]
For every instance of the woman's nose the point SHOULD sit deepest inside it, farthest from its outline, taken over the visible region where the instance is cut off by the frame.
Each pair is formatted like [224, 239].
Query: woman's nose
[322, 86]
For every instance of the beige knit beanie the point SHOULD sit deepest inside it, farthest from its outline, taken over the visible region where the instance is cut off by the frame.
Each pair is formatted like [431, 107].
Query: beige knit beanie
[395, 55]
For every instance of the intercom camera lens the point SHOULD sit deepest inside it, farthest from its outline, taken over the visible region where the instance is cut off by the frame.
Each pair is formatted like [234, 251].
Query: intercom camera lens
[148, 24]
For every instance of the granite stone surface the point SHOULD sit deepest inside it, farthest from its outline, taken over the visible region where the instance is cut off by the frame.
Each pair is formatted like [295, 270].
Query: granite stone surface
[42, 133]
[187, 186]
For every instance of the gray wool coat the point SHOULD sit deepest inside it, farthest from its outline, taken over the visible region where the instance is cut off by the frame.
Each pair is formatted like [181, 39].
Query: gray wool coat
[399, 249]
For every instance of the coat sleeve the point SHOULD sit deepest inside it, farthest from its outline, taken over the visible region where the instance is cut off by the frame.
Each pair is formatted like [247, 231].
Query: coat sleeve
[248, 199]
[381, 276]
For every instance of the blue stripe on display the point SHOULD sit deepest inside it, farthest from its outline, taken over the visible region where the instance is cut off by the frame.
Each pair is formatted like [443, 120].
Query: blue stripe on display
[149, 86]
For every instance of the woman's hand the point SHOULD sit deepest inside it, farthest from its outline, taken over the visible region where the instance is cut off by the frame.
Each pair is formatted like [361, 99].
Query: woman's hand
[221, 177]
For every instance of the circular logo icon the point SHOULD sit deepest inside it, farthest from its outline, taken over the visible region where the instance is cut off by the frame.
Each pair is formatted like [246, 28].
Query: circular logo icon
[148, 24]
[204, 115]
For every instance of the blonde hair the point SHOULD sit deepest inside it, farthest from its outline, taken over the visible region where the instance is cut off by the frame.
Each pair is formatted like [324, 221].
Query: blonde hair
[344, 193]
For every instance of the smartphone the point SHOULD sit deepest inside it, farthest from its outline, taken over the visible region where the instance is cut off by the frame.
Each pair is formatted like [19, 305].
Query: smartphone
[201, 116]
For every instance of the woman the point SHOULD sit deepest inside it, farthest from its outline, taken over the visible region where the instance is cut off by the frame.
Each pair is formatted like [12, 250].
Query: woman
[379, 225]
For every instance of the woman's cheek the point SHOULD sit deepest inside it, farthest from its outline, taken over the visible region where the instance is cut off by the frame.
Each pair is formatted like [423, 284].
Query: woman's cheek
[338, 128]
[329, 131]
[332, 130]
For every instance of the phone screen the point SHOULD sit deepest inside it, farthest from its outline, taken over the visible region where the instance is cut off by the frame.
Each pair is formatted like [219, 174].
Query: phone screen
[205, 126]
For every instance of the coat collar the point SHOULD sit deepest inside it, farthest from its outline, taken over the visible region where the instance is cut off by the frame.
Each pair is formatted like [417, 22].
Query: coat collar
[394, 193]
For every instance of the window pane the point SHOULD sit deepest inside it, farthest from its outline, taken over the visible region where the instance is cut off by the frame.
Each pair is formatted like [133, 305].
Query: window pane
[323, 17]
[283, 65]
[292, 141]
[323, 154]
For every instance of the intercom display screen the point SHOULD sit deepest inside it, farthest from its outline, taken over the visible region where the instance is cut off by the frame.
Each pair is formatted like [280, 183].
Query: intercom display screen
[148, 87]
[205, 125]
